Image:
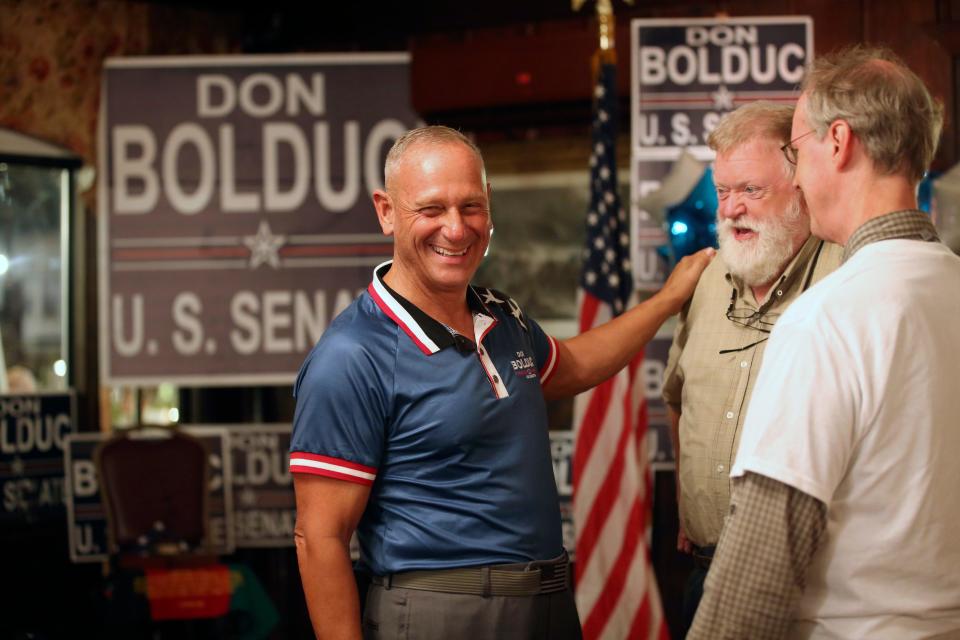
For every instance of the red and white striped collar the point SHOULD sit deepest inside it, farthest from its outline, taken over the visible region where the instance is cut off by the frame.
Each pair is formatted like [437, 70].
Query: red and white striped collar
[428, 334]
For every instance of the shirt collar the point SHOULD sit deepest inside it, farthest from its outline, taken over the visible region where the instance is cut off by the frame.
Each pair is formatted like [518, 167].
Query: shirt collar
[796, 274]
[908, 224]
[428, 334]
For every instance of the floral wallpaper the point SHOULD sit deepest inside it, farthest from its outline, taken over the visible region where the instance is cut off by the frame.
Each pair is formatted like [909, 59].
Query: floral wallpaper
[52, 53]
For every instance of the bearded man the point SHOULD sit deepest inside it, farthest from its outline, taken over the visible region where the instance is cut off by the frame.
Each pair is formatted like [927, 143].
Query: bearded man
[768, 259]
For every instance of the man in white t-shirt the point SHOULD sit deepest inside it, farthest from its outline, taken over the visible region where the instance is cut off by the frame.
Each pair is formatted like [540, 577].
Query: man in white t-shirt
[845, 515]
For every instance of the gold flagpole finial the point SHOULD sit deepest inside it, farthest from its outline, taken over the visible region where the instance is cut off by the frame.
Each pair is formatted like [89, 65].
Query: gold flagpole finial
[606, 21]
[608, 25]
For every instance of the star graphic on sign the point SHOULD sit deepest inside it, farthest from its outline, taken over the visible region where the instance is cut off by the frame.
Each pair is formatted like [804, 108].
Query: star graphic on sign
[264, 246]
[247, 497]
[489, 298]
[722, 98]
[16, 466]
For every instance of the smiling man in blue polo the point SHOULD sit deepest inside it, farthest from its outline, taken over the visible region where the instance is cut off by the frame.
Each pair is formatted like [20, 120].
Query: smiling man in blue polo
[421, 423]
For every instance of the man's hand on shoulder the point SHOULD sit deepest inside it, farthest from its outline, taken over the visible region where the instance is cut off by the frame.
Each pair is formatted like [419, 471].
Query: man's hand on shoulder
[683, 279]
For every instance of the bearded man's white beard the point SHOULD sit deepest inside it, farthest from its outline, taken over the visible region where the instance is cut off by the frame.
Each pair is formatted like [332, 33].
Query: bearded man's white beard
[758, 261]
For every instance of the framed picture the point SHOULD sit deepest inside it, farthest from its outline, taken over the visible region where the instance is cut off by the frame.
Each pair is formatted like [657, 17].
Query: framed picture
[538, 241]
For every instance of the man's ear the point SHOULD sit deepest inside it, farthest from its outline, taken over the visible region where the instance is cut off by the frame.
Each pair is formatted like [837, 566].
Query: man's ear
[384, 206]
[841, 137]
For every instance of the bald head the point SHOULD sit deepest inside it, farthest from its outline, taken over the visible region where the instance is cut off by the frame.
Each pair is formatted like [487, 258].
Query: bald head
[430, 135]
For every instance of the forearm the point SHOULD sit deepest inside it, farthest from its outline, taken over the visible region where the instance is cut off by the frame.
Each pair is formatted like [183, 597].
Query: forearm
[759, 570]
[329, 587]
[591, 357]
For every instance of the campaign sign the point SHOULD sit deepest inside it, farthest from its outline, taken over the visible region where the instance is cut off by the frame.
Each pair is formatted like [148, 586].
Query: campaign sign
[686, 74]
[264, 510]
[659, 447]
[33, 429]
[86, 513]
[236, 215]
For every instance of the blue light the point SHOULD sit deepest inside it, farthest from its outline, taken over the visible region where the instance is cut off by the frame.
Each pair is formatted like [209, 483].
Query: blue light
[678, 227]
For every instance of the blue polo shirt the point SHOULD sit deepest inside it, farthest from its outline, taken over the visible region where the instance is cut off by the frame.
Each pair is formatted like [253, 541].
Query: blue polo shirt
[450, 432]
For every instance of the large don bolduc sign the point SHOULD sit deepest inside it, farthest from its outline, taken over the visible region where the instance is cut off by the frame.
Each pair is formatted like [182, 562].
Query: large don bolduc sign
[686, 74]
[235, 208]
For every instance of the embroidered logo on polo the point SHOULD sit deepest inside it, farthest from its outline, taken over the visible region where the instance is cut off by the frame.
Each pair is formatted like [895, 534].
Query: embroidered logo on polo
[524, 366]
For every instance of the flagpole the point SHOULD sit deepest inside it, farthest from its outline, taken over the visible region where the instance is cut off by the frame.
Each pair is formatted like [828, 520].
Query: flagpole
[616, 591]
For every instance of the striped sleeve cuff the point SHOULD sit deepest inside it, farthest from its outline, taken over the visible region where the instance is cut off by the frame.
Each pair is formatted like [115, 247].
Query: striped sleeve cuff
[551, 366]
[317, 465]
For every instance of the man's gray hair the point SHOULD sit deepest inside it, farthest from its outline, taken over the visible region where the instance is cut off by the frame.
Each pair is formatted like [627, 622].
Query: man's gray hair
[759, 120]
[885, 103]
[432, 134]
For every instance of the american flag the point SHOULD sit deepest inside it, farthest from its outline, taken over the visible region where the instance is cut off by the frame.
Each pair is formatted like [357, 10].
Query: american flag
[616, 590]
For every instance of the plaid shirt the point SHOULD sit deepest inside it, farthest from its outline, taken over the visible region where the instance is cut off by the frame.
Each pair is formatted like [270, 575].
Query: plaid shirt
[909, 224]
[773, 529]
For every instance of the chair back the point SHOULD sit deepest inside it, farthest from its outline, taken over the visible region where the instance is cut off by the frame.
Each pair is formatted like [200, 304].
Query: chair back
[154, 486]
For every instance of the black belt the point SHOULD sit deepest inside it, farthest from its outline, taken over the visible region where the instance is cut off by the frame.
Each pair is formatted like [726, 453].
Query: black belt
[520, 579]
[702, 556]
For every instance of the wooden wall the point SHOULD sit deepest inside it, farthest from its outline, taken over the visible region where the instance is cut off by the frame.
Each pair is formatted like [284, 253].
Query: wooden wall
[530, 84]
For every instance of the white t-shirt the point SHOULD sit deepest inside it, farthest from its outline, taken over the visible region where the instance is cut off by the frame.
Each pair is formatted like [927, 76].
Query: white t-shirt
[858, 405]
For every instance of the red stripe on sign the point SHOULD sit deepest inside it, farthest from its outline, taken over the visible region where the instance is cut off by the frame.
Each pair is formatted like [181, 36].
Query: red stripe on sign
[339, 250]
[181, 253]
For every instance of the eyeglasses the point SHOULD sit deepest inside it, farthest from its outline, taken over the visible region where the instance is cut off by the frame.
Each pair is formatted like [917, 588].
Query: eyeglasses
[790, 151]
[757, 319]
[752, 318]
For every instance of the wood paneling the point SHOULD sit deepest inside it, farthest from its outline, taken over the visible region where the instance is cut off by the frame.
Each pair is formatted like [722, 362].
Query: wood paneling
[517, 81]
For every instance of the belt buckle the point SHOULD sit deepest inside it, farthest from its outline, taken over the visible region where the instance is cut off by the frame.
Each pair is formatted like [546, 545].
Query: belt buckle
[552, 572]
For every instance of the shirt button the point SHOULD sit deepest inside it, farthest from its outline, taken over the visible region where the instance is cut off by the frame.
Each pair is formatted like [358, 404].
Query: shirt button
[720, 468]
[743, 364]
[779, 293]
[729, 415]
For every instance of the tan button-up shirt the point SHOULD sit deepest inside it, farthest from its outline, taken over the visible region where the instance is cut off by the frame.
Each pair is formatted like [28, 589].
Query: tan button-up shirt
[713, 364]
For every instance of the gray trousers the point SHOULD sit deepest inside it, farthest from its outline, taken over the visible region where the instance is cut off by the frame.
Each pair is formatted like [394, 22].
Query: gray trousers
[412, 614]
